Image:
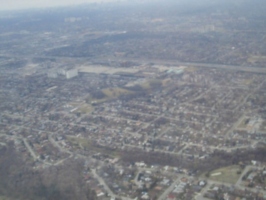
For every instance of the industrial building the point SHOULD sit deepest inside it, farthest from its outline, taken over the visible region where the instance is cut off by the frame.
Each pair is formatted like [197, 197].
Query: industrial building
[61, 72]
[71, 73]
[52, 75]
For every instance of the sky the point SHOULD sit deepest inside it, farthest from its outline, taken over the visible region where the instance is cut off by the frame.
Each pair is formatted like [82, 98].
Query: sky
[24, 4]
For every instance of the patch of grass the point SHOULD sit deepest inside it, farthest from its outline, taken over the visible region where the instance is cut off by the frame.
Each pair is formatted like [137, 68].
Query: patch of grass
[248, 82]
[88, 145]
[74, 104]
[243, 124]
[151, 84]
[4, 198]
[145, 85]
[263, 126]
[84, 109]
[109, 93]
[166, 82]
[254, 59]
[227, 174]
[115, 92]
[190, 69]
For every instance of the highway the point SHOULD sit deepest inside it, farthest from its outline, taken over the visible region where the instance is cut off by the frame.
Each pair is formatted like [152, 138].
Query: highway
[110, 192]
[32, 153]
[168, 190]
[253, 69]
[50, 138]
[246, 68]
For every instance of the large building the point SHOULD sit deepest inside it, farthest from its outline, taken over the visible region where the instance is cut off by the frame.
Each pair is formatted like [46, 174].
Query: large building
[68, 74]
[71, 73]
[61, 72]
[52, 74]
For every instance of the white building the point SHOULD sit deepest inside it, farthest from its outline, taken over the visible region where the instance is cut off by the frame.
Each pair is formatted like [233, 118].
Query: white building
[61, 72]
[52, 75]
[71, 73]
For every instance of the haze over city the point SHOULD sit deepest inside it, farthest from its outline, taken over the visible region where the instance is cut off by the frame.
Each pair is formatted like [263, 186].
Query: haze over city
[27, 4]
[133, 100]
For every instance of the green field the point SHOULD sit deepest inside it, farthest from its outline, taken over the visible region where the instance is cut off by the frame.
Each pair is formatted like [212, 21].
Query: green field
[88, 145]
[254, 59]
[242, 124]
[112, 93]
[225, 175]
[85, 109]
[4, 198]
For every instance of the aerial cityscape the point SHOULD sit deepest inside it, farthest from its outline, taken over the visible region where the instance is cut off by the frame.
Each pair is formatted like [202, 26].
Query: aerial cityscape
[134, 100]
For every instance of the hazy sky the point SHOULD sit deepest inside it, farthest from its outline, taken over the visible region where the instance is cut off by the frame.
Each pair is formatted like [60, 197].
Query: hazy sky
[21, 4]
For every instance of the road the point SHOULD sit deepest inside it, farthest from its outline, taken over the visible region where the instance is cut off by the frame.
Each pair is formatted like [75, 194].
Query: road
[253, 69]
[193, 64]
[110, 192]
[238, 183]
[200, 195]
[136, 178]
[51, 139]
[102, 182]
[243, 101]
[169, 189]
[148, 60]
[33, 154]
[243, 174]
[35, 157]
[3, 144]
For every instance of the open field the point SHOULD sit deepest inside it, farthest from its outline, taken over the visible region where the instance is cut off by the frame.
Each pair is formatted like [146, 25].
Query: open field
[152, 84]
[243, 124]
[30, 69]
[85, 109]
[254, 59]
[227, 174]
[115, 92]
[107, 94]
[51, 88]
[4, 198]
[197, 65]
[263, 126]
[81, 107]
[90, 146]
[98, 69]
